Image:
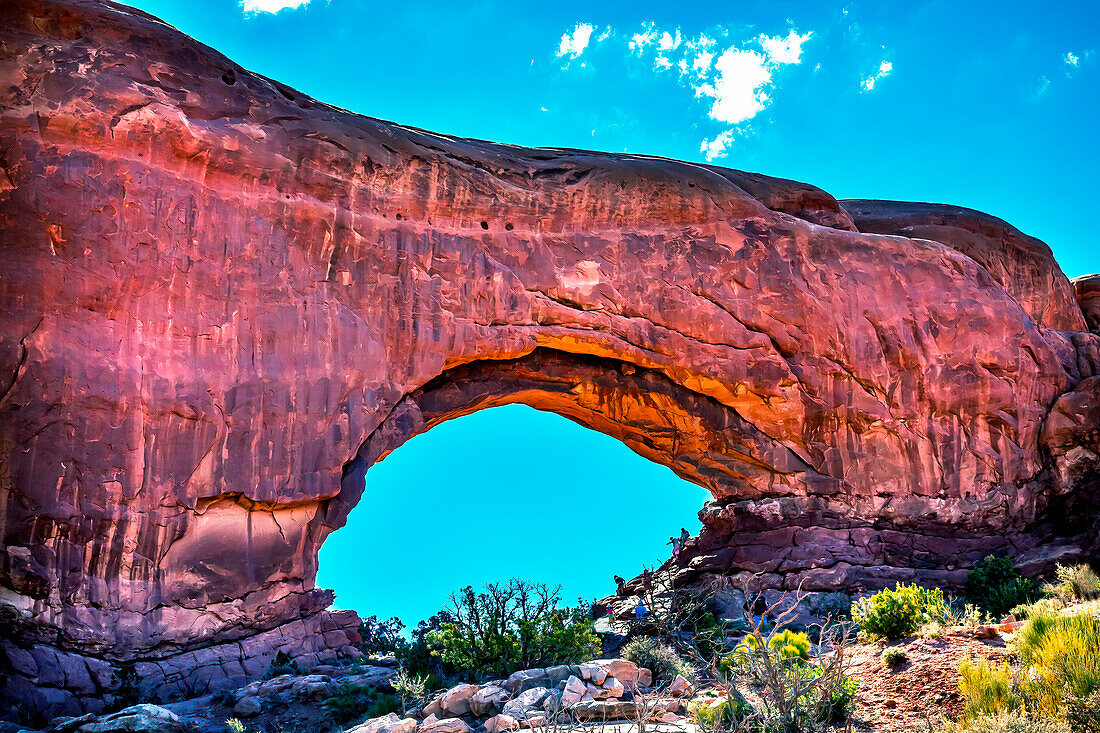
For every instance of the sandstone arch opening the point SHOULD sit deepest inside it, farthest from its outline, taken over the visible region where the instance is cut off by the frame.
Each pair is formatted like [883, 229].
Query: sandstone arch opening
[507, 492]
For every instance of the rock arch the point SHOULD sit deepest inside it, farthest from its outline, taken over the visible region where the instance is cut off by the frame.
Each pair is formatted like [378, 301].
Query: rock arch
[222, 300]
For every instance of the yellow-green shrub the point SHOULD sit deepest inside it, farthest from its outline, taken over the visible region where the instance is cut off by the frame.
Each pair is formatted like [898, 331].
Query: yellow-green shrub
[786, 644]
[1061, 661]
[899, 612]
[986, 688]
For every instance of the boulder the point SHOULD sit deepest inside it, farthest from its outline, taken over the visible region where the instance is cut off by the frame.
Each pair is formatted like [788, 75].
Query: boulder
[68, 723]
[525, 701]
[488, 700]
[434, 707]
[247, 706]
[604, 710]
[573, 692]
[446, 725]
[311, 688]
[612, 687]
[380, 677]
[143, 718]
[501, 724]
[533, 720]
[680, 687]
[594, 672]
[390, 723]
[539, 677]
[456, 701]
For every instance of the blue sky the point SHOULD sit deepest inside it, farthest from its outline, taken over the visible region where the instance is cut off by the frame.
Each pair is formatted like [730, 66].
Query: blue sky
[992, 105]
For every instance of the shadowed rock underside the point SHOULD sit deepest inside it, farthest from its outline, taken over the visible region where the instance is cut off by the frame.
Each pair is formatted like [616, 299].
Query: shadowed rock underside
[222, 301]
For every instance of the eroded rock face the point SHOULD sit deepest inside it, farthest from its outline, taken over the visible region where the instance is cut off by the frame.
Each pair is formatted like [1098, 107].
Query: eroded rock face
[222, 301]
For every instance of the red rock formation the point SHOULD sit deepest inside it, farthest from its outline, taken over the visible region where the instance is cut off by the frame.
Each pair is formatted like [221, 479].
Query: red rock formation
[223, 300]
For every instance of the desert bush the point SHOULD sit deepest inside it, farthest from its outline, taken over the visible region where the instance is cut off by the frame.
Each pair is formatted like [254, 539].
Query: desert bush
[1083, 714]
[411, 689]
[380, 637]
[280, 665]
[235, 725]
[896, 613]
[987, 689]
[510, 626]
[1060, 656]
[894, 656]
[1007, 723]
[784, 644]
[996, 586]
[127, 687]
[349, 702]
[1041, 607]
[658, 657]
[1074, 583]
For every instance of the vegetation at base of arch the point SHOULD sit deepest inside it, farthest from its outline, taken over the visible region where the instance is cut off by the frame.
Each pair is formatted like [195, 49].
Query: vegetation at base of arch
[1057, 682]
[997, 587]
[893, 614]
[497, 630]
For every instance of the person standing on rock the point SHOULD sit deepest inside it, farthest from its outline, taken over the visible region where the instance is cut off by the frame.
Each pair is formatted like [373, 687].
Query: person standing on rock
[620, 585]
[640, 611]
[684, 537]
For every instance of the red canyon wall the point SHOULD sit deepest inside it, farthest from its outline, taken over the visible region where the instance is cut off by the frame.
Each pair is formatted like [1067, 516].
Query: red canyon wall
[222, 301]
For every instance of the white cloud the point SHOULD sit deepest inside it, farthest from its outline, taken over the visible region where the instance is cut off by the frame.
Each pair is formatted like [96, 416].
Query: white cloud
[784, 50]
[717, 147]
[1071, 58]
[648, 37]
[270, 6]
[740, 88]
[737, 79]
[742, 79]
[573, 44]
[884, 70]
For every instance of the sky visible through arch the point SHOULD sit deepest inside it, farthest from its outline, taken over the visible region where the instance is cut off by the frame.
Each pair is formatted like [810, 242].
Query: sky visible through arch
[991, 105]
[505, 492]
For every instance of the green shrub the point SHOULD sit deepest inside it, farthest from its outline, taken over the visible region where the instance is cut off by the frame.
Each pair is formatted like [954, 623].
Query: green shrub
[986, 689]
[280, 665]
[894, 656]
[349, 702]
[1075, 583]
[659, 658]
[996, 586]
[1061, 661]
[1008, 723]
[127, 686]
[510, 626]
[896, 613]
[710, 713]
[839, 699]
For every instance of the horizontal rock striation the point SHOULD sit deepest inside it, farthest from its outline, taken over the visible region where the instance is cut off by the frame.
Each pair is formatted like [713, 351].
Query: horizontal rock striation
[222, 301]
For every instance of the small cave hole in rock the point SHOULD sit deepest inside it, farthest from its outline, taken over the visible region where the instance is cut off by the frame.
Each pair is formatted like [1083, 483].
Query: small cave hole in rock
[508, 227]
[504, 492]
[229, 77]
[484, 225]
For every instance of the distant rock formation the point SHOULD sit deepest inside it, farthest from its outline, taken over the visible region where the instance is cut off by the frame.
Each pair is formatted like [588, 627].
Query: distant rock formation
[222, 301]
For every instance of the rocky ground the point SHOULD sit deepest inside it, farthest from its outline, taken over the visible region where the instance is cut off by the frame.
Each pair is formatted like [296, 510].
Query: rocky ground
[611, 695]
